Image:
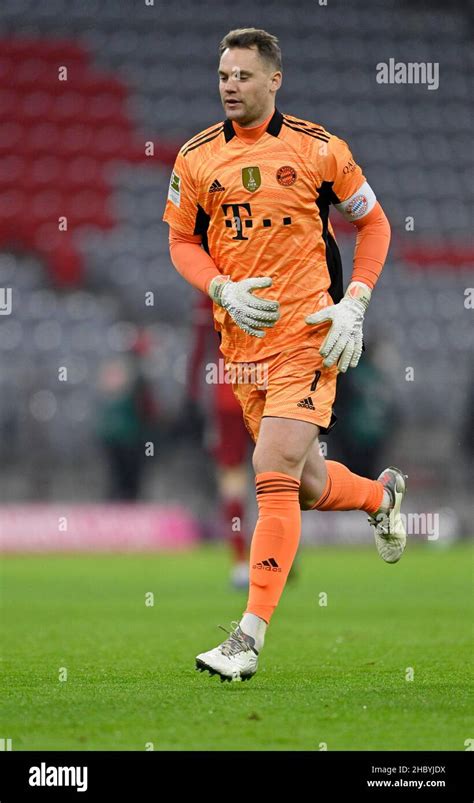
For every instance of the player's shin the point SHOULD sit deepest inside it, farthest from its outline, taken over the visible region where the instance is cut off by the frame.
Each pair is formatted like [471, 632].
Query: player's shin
[275, 541]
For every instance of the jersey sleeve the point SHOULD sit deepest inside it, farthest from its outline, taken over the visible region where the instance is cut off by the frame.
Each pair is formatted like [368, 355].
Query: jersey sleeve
[182, 202]
[351, 194]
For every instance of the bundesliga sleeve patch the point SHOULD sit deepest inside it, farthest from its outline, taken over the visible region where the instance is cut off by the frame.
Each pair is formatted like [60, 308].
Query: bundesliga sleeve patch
[359, 204]
[174, 192]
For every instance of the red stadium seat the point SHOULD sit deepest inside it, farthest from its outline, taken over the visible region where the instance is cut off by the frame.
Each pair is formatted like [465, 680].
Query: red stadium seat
[69, 107]
[42, 139]
[46, 171]
[34, 107]
[83, 171]
[11, 137]
[105, 108]
[12, 171]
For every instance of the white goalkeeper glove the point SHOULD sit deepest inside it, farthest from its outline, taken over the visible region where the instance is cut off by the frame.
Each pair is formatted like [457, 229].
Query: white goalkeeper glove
[249, 312]
[343, 342]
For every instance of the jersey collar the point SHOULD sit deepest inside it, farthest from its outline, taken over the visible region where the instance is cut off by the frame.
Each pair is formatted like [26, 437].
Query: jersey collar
[273, 127]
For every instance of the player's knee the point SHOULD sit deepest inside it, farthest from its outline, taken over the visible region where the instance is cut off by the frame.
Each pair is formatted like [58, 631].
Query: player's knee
[283, 461]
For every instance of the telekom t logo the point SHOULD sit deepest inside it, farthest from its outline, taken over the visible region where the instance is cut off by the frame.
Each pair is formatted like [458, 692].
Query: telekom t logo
[236, 219]
[5, 300]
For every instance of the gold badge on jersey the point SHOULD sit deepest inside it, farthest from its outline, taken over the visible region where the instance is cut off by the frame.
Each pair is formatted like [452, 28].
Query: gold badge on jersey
[251, 178]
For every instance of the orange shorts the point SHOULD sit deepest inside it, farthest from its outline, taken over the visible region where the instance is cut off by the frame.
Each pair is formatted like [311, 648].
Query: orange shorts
[291, 384]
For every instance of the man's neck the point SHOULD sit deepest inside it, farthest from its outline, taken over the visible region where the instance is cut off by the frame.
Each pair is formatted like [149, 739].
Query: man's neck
[256, 123]
[254, 133]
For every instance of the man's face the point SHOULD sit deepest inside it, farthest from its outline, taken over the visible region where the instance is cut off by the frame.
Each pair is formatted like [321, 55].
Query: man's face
[247, 84]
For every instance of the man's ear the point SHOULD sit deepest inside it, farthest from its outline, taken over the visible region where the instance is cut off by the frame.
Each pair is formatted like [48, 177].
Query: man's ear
[276, 80]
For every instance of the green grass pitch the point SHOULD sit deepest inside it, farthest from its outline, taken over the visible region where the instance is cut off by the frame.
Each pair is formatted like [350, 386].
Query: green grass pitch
[334, 675]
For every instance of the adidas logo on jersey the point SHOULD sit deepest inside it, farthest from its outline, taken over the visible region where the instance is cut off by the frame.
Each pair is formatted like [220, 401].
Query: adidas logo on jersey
[216, 186]
[269, 565]
[307, 403]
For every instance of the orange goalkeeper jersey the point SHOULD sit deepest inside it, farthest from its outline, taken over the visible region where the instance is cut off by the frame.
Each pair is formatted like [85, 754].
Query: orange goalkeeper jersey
[262, 209]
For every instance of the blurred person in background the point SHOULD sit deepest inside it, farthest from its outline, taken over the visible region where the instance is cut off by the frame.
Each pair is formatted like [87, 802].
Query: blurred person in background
[367, 412]
[126, 418]
[219, 413]
[468, 424]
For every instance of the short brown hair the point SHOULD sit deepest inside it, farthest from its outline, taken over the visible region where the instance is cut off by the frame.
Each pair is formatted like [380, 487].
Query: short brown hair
[267, 44]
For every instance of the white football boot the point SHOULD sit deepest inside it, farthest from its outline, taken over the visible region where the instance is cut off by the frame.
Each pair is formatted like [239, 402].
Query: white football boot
[389, 530]
[234, 660]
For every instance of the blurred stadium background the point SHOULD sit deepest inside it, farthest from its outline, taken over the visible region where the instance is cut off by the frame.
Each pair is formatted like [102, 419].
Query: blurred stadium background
[97, 150]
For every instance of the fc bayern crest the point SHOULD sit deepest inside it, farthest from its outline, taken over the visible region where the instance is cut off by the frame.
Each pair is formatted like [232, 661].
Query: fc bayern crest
[286, 175]
[251, 178]
[357, 207]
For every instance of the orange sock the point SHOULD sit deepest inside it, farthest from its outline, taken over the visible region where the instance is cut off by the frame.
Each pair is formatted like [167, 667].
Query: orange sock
[347, 491]
[275, 540]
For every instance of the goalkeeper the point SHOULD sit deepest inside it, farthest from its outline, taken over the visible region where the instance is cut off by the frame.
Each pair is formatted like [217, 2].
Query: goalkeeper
[248, 210]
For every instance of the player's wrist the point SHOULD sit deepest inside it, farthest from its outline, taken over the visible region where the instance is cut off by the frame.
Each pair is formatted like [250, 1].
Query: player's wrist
[360, 292]
[216, 287]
